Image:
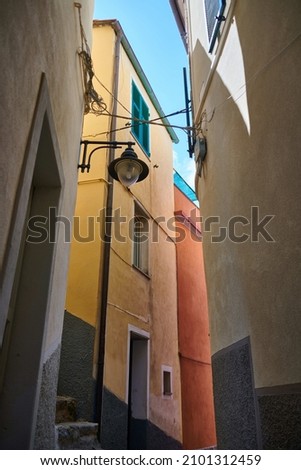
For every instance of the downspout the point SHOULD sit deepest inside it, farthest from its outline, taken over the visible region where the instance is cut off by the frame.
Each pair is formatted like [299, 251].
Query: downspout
[107, 241]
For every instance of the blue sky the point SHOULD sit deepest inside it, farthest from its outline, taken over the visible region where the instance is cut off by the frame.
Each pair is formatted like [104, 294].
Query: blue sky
[152, 32]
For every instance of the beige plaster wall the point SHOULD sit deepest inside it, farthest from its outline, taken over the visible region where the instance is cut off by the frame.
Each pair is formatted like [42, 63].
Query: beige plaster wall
[41, 38]
[251, 109]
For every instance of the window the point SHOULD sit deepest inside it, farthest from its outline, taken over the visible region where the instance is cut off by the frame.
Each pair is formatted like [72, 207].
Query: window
[141, 240]
[214, 16]
[166, 381]
[140, 111]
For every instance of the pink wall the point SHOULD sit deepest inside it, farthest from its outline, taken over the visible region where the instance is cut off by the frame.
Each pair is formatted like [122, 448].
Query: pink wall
[194, 339]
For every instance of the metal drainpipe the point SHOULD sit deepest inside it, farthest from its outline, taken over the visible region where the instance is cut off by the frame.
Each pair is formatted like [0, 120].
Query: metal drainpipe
[107, 246]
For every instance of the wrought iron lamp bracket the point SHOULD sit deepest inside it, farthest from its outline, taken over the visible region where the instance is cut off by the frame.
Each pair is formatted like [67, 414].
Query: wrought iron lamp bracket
[100, 145]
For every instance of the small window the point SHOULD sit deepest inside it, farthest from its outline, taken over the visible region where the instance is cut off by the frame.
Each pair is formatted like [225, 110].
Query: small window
[214, 16]
[141, 240]
[166, 381]
[140, 111]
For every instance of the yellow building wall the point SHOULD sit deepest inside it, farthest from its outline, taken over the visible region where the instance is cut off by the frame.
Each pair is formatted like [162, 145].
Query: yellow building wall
[85, 260]
[145, 302]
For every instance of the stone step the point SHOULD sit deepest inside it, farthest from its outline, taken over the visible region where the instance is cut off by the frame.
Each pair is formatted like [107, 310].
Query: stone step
[77, 435]
[65, 409]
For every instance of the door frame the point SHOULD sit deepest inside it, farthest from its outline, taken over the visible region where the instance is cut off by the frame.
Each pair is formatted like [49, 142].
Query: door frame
[138, 334]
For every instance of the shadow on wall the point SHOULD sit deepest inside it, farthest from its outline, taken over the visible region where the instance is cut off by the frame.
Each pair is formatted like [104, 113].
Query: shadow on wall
[77, 380]
[114, 431]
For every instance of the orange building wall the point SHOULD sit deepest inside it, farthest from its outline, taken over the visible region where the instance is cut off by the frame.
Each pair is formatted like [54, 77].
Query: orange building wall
[193, 325]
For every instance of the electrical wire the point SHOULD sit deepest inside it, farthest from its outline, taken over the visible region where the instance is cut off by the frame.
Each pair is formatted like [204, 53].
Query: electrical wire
[113, 96]
[93, 102]
[141, 121]
[151, 121]
[183, 128]
[131, 116]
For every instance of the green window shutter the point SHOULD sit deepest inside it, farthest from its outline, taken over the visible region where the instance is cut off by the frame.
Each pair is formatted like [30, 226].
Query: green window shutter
[145, 127]
[140, 111]
[135, 110]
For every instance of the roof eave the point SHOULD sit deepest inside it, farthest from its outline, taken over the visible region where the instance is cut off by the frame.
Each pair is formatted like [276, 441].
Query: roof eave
[135, 62]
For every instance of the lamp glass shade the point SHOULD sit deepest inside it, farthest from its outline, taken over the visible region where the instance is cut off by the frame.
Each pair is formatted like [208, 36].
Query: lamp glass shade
[128, 171]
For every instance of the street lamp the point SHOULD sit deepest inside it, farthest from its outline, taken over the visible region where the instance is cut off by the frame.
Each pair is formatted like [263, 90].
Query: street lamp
[127, 169]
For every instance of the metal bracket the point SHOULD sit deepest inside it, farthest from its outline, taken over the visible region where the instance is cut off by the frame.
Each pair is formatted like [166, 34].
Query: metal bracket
[101, 145]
